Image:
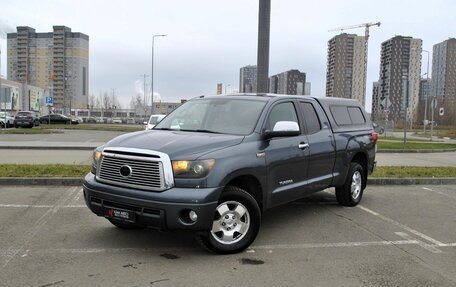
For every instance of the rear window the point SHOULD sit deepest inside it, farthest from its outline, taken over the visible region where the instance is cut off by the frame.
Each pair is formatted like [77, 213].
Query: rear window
[344, 115]
[23, 113]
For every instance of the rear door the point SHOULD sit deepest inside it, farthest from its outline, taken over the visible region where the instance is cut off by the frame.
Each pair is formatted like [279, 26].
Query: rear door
[321, 145]
[286, 157]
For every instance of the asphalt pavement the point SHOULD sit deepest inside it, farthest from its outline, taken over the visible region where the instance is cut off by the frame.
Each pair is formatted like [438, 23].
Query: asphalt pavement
[397, 236]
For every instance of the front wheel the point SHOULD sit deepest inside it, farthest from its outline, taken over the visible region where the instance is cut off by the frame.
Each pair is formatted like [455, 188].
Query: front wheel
[236, 223]
[351, 192]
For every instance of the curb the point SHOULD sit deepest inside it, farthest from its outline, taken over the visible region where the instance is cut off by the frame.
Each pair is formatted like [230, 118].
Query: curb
[74, 181]
[415, 150]
[50, 147]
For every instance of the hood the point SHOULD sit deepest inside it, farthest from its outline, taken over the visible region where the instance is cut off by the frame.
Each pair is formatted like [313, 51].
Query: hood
[177, 144]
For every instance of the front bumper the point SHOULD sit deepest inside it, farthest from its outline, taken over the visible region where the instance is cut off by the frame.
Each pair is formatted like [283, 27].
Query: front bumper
[162, 210]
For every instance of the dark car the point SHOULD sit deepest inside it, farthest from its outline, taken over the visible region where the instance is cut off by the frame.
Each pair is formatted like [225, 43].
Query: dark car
[216, 164]
[55, 119]
[26, 119]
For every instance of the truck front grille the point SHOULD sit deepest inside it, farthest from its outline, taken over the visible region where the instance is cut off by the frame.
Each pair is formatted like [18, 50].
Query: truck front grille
[131, 171]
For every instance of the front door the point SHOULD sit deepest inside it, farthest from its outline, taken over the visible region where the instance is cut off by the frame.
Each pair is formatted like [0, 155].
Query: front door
[286, 157]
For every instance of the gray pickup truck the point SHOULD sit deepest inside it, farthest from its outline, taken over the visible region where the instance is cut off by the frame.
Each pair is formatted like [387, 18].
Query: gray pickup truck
[215, 164]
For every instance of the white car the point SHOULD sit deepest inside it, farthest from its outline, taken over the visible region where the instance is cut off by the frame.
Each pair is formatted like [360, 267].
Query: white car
[116, 120]
[153, 120]
[9, 120]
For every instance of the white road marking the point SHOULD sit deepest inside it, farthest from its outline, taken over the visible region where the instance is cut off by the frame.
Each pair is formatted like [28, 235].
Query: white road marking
[336, 244]
[422, 244]
[77, 196]
[426, 188]
[405, 227]
[439, 192]
[31, 233]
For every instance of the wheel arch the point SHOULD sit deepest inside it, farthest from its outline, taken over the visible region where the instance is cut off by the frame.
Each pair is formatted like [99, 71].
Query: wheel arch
[251, 185]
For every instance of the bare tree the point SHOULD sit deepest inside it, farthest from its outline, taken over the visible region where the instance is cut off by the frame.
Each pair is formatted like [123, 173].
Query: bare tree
[92, 101]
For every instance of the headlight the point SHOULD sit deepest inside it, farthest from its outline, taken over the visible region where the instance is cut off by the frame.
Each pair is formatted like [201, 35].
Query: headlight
[192, 169]
[96, 157]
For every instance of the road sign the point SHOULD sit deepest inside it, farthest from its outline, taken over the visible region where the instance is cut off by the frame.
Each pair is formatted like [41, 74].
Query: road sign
[49, 101]
[434, 103]
[441, 111]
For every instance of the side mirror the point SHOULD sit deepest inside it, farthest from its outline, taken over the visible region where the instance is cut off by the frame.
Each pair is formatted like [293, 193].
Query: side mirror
[283, 129]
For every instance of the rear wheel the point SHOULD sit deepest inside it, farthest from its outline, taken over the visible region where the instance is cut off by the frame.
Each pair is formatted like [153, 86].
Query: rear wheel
[125, 225]
[351, 192]
[236, 223]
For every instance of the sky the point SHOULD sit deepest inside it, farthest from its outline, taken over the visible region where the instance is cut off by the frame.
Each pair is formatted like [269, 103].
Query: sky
[208, 41]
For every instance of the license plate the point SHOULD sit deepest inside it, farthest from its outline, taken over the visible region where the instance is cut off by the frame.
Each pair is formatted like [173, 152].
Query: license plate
[120, 214]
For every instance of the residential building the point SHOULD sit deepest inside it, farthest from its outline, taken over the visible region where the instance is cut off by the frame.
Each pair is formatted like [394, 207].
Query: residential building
[248, 79]
[444, 79]
[400, 63]
[345, 72]
[57, 61]
[377, 110]
[291, 82]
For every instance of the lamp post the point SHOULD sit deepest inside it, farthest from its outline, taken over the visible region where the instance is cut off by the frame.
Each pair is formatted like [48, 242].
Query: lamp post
[427, 92]
[152, 73]
[406, 90]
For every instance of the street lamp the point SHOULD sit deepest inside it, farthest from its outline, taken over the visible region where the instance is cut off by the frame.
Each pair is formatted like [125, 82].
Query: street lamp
[427, 92]
[152, 73]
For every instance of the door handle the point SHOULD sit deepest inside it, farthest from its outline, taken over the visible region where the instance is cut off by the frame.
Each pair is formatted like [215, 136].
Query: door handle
[303, 146]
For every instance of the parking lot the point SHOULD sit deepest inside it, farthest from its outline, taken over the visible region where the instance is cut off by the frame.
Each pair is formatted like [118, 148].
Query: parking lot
[398, 236]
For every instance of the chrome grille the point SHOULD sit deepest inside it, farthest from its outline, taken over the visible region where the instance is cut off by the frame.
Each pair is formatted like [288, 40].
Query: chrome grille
[146, 173]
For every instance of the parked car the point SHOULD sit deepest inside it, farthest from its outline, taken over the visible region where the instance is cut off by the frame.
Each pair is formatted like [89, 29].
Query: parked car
[6, 120]
[26, 119]
[130, 121]
[116, 120]
[56, 119]
[90, 120]
[216, 164]
[99, 120]
[379, 129]
[76, 120]
[153, 120]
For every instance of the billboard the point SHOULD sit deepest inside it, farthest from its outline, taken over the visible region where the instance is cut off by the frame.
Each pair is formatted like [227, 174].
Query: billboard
[9, 98]
[36, 100]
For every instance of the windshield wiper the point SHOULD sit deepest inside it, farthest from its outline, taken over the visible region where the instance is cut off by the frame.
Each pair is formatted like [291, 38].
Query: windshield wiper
[164, 129]
[200, 131]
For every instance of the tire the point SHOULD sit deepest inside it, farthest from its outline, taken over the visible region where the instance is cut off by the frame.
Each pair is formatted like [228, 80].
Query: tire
[237, 210]
[125, 225]
[351, 192]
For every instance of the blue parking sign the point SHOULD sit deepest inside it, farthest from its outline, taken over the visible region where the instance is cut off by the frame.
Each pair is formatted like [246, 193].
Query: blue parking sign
[49, 101]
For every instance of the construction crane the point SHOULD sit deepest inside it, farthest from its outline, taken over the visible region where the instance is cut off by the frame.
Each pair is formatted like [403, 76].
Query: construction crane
[366, 43]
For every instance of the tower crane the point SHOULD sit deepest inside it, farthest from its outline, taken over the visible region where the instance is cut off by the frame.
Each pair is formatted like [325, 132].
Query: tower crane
[366, 43]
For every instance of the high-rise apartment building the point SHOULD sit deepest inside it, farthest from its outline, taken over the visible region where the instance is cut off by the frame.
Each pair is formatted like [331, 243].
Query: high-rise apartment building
[345, 73]
[444, 78]
[57, 61]
[400, 63]
[248, 79]
[376, 110]
[292, 82]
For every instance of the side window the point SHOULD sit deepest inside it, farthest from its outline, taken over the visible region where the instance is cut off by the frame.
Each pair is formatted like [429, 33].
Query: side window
[356, 115]
[340, 114]
[311, 119]
[282, 112]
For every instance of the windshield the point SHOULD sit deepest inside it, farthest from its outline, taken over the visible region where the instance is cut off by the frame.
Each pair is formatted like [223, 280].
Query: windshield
[227, 116]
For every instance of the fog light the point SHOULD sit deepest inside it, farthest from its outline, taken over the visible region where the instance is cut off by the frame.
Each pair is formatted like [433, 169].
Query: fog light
[193, 216]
